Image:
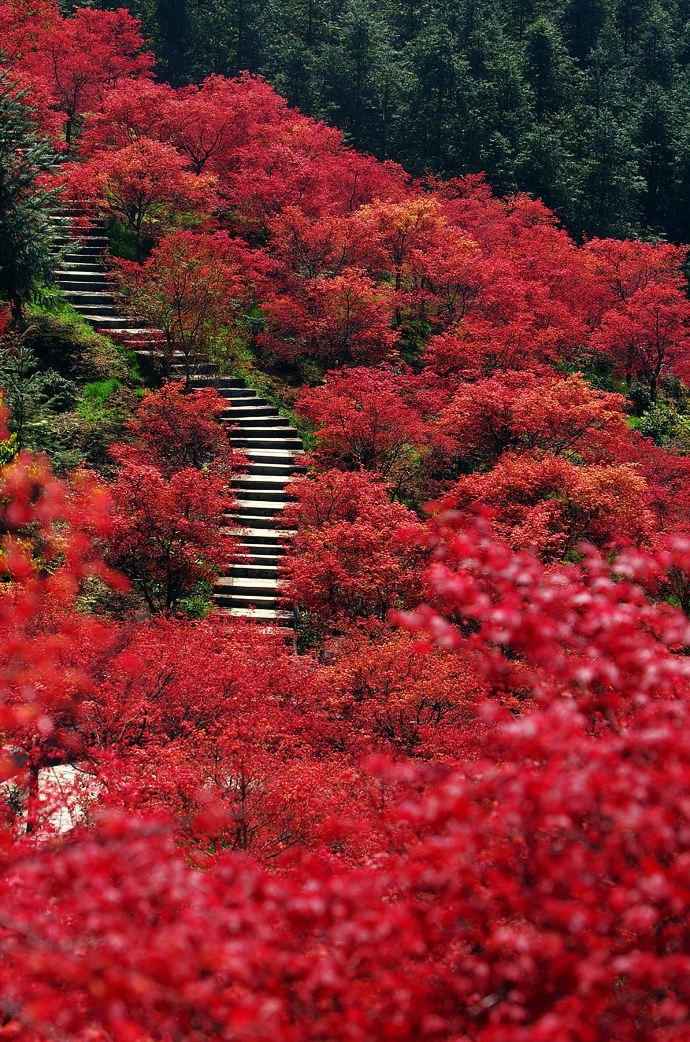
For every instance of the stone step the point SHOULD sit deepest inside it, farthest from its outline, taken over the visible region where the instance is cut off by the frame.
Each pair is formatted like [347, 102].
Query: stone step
[260, 587]
[243, 395]
[255, 571]
[71, 260]
[249, 412]
[134, 344]
[252, 486]
[107, 308]
[262, 496]
[251, 479]
[145, 341]
[77, 241]
[69, 213]
[274, 468]
[252, 422]
[248, 586]
[113, 321]
[256, 508]
[76, 222]
[79, 297]
[267, 565]
[280, 433]
[70, 275]
[82, 271]
[273, 434]
[258, 536]
[198, 368]
[278, 618]
[82, 249]
[228, 383]
[238, 600]
[86, 255]
[84, 287]
[254, 521]
[244, 440]
[254, 494]
[273, 453]
[74, 235]
[259, 553]
[83, 280]
[207, 380]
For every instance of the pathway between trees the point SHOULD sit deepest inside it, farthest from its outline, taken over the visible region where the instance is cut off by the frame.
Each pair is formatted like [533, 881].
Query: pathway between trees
[250, 585]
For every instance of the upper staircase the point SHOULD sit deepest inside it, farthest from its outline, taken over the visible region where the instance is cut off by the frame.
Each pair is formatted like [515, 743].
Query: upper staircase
[272, 447]
[85, 282]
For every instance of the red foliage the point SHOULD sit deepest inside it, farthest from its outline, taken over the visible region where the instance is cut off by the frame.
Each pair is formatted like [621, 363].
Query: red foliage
[145, 185]
[550, 505]
[212, 122]
[294, 161]
[478, 348]
[173, 430]
[523, 411]
[343, 565]
[341, 320]
[71, 63]
[397, 232]
[194, 288]
[241, 755]
[386, 695]
[313, 247]
[648, 336]
[168, 532]
[367, 418]
[555, 631]
[47, 530]
[624, 266]
[129, 112]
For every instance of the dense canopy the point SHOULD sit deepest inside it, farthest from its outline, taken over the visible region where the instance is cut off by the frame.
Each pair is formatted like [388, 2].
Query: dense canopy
[455, 807]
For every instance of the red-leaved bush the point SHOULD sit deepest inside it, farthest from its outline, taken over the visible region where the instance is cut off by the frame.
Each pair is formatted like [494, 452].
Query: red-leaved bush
[460, 812]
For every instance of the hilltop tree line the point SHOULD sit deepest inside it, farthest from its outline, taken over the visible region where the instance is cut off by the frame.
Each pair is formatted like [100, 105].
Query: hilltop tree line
[580, 102]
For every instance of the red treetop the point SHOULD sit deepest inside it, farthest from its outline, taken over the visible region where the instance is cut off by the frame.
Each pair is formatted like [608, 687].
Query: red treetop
[130, 112]
[627, 265]
[75, 61]
[367, 418]
[195, 287]
[550, 505]
[522, 411]
[168, 534]
[146, 185]
[343, 564]
[341, 320]
[648, 335]
[173, 430]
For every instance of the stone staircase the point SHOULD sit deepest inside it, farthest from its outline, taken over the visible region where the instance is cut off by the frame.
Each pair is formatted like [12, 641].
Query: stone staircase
[84, 281]
[272, 447]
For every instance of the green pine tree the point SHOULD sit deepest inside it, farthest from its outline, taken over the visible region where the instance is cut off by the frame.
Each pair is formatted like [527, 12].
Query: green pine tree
[25, 239]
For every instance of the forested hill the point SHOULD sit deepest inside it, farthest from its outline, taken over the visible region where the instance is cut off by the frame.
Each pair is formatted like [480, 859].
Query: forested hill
[582, 102]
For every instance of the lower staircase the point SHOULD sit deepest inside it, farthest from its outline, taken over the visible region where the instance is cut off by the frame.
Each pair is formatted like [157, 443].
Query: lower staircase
[272, 448]
[250, 587]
